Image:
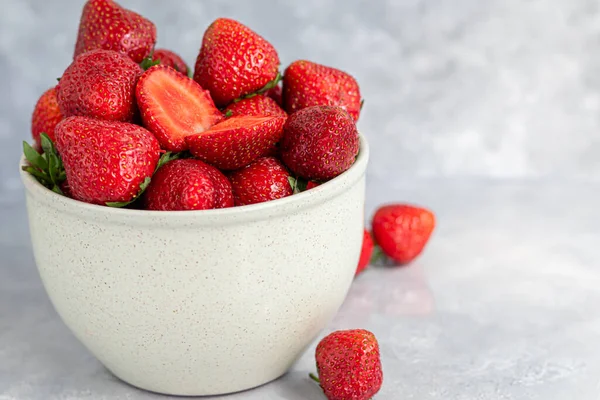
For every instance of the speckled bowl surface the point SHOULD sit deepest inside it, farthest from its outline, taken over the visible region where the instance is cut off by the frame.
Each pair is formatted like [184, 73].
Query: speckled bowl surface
[200, 302]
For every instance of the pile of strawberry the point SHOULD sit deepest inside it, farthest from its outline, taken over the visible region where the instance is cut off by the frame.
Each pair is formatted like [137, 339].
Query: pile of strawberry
[132, 126]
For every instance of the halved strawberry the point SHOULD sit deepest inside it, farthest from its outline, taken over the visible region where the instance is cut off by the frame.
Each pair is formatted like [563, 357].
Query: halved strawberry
[237, 141]
[173, 106]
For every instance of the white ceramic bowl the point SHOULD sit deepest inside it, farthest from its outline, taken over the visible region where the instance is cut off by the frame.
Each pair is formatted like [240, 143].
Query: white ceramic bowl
[200, 302]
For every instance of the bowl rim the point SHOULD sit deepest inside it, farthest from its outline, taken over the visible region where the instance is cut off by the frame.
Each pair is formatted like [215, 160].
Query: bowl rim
[258, 211]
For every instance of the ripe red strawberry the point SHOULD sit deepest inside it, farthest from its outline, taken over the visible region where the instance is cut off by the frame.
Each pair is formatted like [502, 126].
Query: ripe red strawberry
[308, 84]
[223, 189]
[349, 365]
[365, 253]
[106, 25]
[402, 230]
[46, 115]
[188, 184]
[171, 59]
[319, 142]
[105, 161]
[312, 184]
[263, 180]
[234, 61]
[173, 106]
[66, 189]
[99, 84]
[276, 94]
[237, 141]
[259, 105]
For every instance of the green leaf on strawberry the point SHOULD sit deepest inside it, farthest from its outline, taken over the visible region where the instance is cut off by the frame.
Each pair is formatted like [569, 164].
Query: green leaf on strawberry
[47, 168]
[377, 256]
[270, 85]
[298, 184]
[148, 62]
[121, 204]
[165, 158]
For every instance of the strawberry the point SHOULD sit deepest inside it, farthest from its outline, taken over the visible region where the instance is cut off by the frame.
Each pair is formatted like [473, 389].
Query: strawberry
[402, 230]
[173, 106]
[312, 184]
[259, 105]
[234, 61]
[223, 189]
[237, 141]
[263, 180]
[106, 25]
[99, 84]
[308, 84]
[319, 142]
[46, 115]
[349, 365]
[106, 161]
[171, 59]
[366, 252]
[66, 189]
[188, 184]
[276, 94]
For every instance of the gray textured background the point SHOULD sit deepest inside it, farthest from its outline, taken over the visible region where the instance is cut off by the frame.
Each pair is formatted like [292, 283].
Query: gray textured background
[457, 92]
[500, 88]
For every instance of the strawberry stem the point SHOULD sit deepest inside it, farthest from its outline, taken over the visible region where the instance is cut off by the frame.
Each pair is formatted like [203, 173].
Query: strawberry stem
[314, 378]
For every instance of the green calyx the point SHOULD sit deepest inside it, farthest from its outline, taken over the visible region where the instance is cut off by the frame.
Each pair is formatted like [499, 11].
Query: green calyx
[47, 168]
[121, 204]
[228, 113]
[270, 85]
[148, 62]
[377, 256]
[165, 158]
[298, 184]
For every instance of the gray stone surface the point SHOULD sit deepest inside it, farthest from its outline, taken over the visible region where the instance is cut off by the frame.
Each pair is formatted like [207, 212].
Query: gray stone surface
[501, 306]
[486, 111]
